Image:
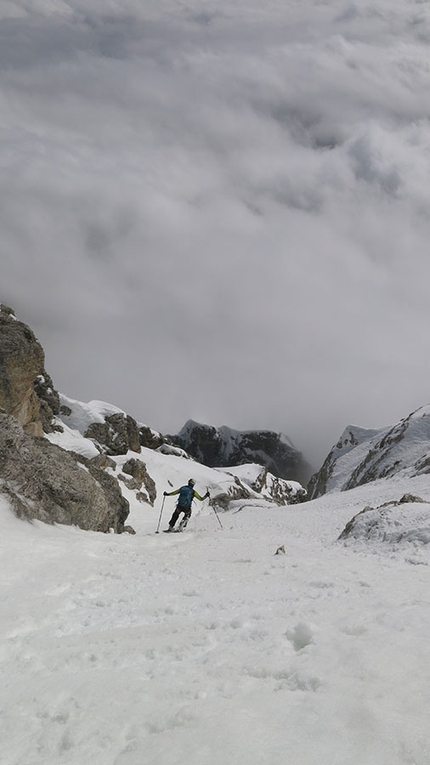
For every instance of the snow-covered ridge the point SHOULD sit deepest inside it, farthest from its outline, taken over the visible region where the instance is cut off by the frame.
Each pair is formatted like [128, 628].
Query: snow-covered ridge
[361, 456]
[82, 415]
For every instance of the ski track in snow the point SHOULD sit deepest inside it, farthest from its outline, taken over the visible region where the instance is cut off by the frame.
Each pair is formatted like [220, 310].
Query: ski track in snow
[207, 648]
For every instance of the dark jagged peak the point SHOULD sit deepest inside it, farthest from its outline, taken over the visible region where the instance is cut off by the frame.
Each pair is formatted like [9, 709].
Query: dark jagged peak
[225, 447]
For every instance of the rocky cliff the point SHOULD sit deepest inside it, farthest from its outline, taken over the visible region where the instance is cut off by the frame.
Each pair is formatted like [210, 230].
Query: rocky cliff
[22, 368]
[65, 461]
[41, 480]
[46, 483]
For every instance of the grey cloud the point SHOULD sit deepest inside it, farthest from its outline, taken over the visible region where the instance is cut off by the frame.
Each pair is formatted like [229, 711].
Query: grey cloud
[221, 215]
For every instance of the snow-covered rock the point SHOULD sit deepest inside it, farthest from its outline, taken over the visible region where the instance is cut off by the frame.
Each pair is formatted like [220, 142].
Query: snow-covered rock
[167, 466]
[259, 480]
[407, 520]
[44, 482]
[174, 450]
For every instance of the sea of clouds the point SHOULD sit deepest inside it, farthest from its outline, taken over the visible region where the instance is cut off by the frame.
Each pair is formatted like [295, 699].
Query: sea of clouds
[221, 210]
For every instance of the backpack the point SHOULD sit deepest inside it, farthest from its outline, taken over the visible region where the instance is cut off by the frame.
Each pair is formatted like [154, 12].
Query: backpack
[186, 496]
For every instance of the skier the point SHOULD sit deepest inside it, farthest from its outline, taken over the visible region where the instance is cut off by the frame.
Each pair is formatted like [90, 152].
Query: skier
[186, 496]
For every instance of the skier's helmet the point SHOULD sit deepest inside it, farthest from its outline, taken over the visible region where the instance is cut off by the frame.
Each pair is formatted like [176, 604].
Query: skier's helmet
[191, 482]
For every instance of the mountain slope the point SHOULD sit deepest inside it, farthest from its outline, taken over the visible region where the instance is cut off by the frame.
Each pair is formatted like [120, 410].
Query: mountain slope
[75, 424]
[362, 456]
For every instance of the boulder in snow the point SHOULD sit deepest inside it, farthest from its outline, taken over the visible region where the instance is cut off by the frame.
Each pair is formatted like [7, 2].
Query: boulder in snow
[406, 520]
[44, 482]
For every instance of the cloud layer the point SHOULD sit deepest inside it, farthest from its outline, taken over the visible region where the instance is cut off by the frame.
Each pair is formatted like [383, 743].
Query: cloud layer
[220, 211]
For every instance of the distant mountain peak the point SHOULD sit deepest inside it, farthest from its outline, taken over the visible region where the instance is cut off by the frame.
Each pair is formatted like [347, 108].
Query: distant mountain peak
[225, 447]
[361, 456]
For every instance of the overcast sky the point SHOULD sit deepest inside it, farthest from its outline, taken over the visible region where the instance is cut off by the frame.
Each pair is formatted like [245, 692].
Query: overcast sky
[221, 210]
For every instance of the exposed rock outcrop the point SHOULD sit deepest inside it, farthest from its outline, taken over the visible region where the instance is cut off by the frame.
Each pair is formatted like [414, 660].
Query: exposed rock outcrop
[235, 491]
[149, 438]
[279, 490]
[139, 479]
[224, 447]
[44, 482]
[49, 401]
[117, 435]
[26, 390]
[253, 482]
[21, 362]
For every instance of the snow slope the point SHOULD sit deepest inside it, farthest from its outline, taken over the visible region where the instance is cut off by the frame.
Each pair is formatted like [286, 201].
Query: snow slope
[206, 648]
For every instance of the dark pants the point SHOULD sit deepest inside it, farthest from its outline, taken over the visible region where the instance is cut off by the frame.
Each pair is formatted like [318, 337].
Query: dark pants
[187, 514]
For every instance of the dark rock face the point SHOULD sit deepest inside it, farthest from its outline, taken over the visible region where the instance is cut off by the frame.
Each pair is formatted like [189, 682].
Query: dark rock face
[21, 361]
[117, 435]
[47, 483]
[26, 390]
[222, 447]
[204, 443]
[149, 438]
[49, 401]
[140, 478]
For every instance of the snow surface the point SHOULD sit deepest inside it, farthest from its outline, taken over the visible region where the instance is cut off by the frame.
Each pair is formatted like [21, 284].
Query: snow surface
[84, 414]
[206, 648]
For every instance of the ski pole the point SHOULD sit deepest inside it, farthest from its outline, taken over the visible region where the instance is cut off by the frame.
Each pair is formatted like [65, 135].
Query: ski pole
[218, 518]
[161, 513]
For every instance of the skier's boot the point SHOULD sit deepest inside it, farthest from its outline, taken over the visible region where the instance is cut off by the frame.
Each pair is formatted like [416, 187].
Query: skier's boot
[183, 524]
